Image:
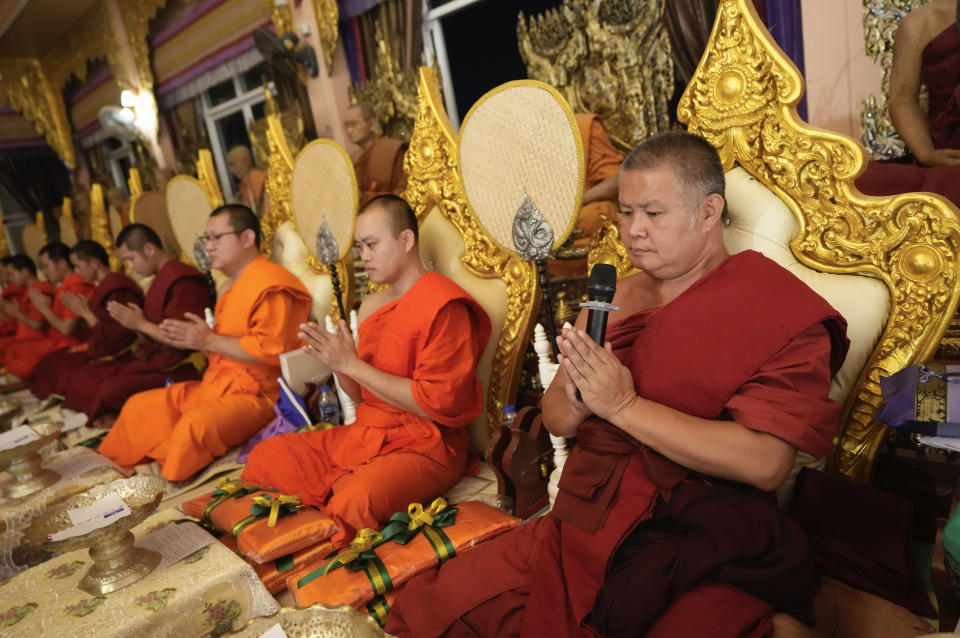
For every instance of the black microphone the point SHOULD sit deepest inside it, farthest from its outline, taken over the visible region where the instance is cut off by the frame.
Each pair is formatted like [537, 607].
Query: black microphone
[600, 291]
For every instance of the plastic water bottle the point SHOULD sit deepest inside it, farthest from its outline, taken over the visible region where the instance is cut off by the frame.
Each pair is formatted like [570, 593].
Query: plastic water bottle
[509, 416]
[328, 408]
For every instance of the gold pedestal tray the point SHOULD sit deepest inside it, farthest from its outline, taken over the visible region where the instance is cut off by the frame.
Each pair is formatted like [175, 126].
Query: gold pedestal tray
[24, 462]
[316, 621]
[116, 562]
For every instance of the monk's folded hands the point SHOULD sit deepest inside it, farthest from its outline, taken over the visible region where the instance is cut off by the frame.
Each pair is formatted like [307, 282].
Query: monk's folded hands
[192, 334]
[606, 385]
[337, 350]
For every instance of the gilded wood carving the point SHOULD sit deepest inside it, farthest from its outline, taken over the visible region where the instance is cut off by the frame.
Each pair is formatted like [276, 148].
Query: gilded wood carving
[328, 15]
[609, 57]
[431, 164]
[743, 99]
[100, 226]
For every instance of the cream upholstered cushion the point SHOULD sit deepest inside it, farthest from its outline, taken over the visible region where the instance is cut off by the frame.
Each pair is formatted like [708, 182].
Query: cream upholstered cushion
[441, 247]
[761, 221]
[32, 241]
[68, 232]
[290, 252]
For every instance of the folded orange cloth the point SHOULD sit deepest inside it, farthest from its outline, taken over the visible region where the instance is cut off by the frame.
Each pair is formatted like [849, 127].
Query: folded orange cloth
[266, 524]
[366, 575]
[273, 574]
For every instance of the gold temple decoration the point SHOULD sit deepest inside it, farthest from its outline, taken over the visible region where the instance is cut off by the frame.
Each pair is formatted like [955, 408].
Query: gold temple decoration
[4, 248]
[743, 99]
[26, 87]
[207, 176]
[880, 21]
[328, 15]
[606, 248]
[391, 91]
[135, 184]
[290, 122]
[608, 57]
[279, 176]
[282, 16]
[100, 226]
[434, 181]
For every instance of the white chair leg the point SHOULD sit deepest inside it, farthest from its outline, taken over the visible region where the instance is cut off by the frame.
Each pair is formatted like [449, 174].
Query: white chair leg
[353, 324]
[348, 409]
[548, 370]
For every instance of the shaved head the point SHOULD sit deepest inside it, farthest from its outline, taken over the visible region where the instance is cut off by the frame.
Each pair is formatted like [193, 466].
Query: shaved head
[401, 215]
[137, 236]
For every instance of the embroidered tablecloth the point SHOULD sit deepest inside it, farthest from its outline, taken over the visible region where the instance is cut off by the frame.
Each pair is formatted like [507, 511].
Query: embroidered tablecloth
[210, 592]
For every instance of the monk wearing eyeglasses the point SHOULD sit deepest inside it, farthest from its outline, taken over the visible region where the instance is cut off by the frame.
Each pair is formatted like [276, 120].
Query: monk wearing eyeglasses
[187, 425]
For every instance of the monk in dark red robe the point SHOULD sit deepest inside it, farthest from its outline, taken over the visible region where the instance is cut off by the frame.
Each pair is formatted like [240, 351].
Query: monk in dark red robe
[187, 425]
[10, 293]
[30, 322]
[413, 373]
[100, 388]
[64, 328]
[717, 371]
[926, 51]
[107, 338]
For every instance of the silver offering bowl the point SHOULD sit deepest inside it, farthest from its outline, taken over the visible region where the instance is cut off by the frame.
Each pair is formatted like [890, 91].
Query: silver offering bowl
[316, 621]
[116, 562]
[24, 462]
[8, 409]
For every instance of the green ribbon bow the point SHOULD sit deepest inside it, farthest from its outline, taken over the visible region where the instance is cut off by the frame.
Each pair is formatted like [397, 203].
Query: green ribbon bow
[265, 506]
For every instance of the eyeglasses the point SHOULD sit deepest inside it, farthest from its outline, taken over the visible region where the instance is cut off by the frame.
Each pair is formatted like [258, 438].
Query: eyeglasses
[215, 237]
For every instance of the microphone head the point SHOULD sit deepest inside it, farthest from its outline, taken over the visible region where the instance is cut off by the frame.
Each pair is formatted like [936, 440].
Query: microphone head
[602, 284]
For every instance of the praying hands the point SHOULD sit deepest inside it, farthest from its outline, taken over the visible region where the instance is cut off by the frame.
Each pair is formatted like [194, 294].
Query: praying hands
[192, 334]
[337, 350]
[128, 315]
[606, 385]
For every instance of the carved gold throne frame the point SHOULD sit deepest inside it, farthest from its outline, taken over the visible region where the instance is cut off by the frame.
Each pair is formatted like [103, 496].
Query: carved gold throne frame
[743, 99]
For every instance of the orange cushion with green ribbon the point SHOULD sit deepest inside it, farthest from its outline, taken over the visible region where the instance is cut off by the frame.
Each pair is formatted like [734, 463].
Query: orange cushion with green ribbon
[377, 562]
[265, 523]
[274, 573]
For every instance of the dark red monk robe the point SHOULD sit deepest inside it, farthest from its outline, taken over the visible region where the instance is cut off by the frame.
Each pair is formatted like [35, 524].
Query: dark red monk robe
[364, 472]
[101, 387]
[542, 579]
[107, 338]
[13, 294]
[24, 331]
[941, 74]
[24, 355]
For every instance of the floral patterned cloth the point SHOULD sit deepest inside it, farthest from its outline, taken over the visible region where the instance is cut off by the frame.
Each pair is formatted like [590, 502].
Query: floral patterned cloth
[211, 592]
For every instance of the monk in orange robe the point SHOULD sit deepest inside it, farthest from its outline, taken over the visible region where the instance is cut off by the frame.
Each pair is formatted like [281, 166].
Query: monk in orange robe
[660, 517]
[30, 322]
[11, 293]
[379, 164]
[186, 425]
[251, 178]
[64, 328]
[599, 202]
[105, 337]
[100, 388]
[413, 373]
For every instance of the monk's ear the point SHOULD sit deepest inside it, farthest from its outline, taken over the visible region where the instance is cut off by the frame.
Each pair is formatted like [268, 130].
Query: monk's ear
[409, 241]
[711, 209]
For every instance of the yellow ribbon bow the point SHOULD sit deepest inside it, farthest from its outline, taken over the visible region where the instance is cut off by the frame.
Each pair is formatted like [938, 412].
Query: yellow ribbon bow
[229, 485]
[274, 505]
[420, 517]
[362, 542]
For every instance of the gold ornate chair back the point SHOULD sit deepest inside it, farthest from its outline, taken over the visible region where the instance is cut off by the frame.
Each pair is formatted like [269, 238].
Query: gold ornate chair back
[282, 241]
[150, 208]
[68, 227]
[889, 265]
[189, 202]
[457, 242]
[100, 230]
[608, 58]
[34, 237]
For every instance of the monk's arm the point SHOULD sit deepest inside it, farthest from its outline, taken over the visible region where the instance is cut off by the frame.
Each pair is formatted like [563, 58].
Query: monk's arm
[606, 190]
[391, 388]
[64, 326]
[230, 347]
[271, 330]
[34, 324]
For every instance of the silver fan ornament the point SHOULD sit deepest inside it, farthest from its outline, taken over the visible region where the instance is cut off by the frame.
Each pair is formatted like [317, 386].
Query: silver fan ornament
[201, 256]
[327, 250]
[532, 234]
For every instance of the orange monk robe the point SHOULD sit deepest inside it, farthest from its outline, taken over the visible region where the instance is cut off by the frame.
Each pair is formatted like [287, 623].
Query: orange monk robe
[251, 189]
[25, 332]
[21, 357]
[13, 294]
[185, 426]
[388, 458]
[379, 169]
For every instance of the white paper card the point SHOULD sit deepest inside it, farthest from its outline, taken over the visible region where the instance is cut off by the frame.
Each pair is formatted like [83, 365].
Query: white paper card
[274, 632]
[73, 420]
[109, 503]
[102, 518]
[17, 436]
[175, 542]
[81, 463]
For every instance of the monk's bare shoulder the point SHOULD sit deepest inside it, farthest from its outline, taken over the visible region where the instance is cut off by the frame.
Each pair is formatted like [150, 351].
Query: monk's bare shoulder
[923, 24]
[372, 303]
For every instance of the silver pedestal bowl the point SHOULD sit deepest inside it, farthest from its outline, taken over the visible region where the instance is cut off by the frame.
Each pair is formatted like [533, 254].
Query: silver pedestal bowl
[317, 621]
[116, 562]
[24, 462]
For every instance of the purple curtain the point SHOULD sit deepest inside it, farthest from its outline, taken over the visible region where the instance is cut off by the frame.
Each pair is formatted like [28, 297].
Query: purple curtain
[786, 25]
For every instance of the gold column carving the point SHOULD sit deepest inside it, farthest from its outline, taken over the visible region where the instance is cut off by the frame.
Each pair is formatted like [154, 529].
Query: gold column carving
[135, 185]
[743, 99]
[432, 164]
[207, 176]
[279, 176]
[392, 91]
[26, 87]
[328, 15]
[100, 226]
[608, 57]
[282, 16]
[880, 21]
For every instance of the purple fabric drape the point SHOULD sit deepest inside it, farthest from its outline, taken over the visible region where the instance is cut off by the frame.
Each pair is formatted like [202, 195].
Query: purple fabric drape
[784, 20]
[352, 8]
